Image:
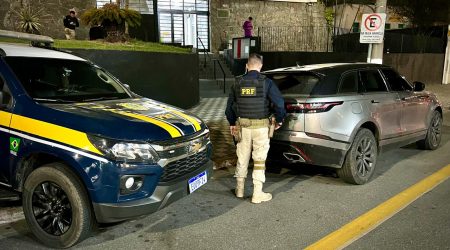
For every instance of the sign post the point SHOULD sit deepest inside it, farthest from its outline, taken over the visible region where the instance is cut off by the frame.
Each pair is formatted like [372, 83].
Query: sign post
[446, 75]
[372, 32]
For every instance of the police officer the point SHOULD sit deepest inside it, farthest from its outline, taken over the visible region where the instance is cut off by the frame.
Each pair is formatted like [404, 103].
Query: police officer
[248, 114]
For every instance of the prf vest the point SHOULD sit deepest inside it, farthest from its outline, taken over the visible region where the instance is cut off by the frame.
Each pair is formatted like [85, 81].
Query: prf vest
[251, 98]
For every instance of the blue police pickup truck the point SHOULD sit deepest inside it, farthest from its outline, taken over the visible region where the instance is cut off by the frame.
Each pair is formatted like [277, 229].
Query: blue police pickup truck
[82, 148]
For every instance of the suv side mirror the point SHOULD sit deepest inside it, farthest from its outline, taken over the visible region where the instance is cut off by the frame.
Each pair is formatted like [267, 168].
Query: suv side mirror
[419, 86]
[127, 86]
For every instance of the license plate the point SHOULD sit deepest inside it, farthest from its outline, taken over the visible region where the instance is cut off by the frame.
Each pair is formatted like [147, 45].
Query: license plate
[197, 181]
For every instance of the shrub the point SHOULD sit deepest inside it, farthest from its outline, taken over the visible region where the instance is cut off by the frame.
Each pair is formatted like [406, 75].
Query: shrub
[111, 15]
[29, 20]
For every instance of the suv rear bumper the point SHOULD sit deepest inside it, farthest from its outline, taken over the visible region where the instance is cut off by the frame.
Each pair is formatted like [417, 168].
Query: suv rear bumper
[301, 148]
[164, 194]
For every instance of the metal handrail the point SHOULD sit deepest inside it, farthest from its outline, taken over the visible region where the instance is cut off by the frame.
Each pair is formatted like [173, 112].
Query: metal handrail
[223, 73]
[214, 63]
[204, 52]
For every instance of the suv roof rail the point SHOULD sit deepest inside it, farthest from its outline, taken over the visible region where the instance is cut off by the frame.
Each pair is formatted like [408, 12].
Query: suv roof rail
[34, 39]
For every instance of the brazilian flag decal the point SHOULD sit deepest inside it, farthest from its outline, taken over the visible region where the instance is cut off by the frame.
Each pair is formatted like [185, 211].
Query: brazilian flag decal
[14, 144]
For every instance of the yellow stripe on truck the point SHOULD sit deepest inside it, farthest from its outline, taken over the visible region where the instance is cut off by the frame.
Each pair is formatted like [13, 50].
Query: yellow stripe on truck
[188, 118]
[53, 132]
[166, 126]
[5, 118]
[183, 115]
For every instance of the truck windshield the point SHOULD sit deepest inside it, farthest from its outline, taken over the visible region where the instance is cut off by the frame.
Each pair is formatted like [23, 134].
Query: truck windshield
[60, 80]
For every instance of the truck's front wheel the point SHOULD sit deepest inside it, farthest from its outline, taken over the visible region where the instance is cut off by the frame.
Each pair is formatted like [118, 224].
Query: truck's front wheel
[56, 206]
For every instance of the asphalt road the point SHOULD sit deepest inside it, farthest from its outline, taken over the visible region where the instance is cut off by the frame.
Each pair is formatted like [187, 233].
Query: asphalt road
[309, 203]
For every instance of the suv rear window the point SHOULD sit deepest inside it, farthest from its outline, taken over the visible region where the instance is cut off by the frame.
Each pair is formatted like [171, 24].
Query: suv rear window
[305, 83]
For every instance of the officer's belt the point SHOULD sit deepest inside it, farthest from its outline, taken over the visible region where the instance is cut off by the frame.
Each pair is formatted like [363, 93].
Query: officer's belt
[254, 123]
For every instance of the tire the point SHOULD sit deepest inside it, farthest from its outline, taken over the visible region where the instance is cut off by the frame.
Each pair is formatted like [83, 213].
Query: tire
[56, 206]
[434, 133]
[360, 162]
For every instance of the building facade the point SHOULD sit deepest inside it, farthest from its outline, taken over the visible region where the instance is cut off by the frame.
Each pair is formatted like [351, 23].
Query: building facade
[274, 17]
[49, 12]
[204, 24]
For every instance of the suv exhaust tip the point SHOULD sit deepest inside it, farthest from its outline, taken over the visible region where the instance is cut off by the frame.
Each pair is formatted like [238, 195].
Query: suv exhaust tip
[293, 157]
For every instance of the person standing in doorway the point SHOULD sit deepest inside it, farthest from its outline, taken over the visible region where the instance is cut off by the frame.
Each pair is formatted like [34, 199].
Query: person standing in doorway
[70, 23]
[248, 27]
[248, 115]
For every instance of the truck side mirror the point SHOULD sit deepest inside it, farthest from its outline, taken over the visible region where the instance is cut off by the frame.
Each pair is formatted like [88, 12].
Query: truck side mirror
[418, 86]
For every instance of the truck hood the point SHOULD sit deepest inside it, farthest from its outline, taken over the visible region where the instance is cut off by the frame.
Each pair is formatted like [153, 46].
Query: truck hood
[138, 119]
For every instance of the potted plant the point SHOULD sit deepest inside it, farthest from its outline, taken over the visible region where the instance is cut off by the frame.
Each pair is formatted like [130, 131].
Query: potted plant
[112, 18]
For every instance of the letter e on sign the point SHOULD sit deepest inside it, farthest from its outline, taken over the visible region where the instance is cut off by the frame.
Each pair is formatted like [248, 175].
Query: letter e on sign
[372, 28]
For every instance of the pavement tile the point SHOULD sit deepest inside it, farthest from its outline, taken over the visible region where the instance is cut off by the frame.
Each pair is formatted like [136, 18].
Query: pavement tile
[212, 111]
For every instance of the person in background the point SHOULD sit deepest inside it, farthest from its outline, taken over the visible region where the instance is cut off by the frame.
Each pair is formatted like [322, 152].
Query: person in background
[70, 23]
[248, 27]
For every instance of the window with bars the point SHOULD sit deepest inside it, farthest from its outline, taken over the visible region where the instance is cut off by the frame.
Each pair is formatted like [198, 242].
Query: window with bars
[184, 21]
[143, 6]
[183, 5]
[180, 21]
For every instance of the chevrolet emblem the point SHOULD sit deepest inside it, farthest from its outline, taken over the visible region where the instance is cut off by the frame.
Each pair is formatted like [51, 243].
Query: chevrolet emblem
[195, 146]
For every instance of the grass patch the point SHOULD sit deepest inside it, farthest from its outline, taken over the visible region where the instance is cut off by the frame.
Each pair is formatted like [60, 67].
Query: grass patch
[133, 45]
[12, 40]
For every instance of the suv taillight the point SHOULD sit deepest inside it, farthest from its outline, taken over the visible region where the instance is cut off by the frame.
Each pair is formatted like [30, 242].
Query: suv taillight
[316, 107]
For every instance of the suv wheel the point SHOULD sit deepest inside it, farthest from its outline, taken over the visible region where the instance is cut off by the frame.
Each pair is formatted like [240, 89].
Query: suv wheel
[56, 206]
[361, 159]
[433, 139]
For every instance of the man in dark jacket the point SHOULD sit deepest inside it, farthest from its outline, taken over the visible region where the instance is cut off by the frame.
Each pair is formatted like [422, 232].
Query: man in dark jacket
[70, 23]
[248, 114]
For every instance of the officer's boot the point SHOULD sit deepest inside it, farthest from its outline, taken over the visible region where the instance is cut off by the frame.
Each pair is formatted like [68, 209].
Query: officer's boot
[258, 195]
[240, 182]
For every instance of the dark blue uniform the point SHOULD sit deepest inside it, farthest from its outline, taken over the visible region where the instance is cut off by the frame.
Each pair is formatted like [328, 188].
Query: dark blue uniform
[271, 92]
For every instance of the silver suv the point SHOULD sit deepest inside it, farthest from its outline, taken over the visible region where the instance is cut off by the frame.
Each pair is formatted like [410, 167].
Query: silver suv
[344, 115]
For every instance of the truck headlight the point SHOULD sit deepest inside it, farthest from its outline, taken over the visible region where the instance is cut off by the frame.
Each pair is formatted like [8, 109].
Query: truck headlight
[129, 152]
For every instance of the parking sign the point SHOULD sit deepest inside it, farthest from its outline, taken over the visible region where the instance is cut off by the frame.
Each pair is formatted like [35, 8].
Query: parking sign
[372, 28]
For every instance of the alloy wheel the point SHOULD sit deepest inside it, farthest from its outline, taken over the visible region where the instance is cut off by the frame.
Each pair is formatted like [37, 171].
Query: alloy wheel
[51, 208]
[365, 157]
[435, 133]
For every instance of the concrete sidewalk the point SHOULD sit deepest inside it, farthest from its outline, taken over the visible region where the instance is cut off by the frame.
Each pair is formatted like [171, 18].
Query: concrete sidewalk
[212, 111]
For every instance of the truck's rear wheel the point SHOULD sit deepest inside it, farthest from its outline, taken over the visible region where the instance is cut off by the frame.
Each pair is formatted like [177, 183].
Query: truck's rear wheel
[361, 159]
[56, 206]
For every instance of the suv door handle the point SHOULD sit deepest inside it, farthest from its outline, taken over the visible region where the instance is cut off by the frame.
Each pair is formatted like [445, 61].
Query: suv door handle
[375, 101]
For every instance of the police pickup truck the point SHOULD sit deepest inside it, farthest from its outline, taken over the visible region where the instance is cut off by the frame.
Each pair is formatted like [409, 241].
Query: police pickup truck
[82, 148]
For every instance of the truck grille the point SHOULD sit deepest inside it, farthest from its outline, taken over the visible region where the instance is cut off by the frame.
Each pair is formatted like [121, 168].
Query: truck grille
[181, 167]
